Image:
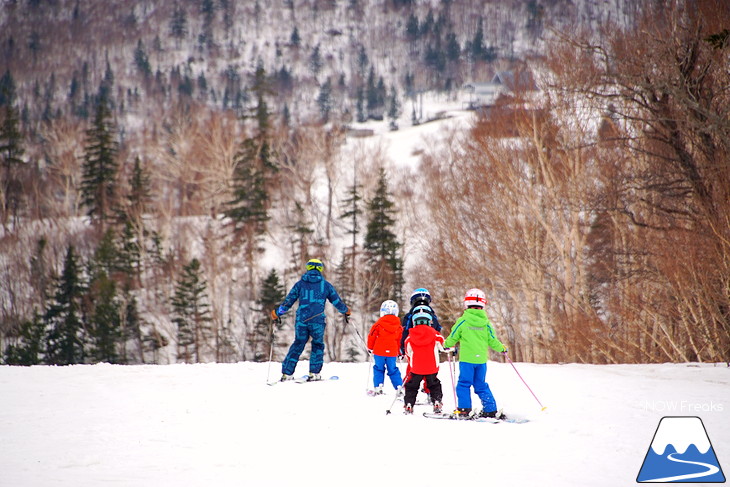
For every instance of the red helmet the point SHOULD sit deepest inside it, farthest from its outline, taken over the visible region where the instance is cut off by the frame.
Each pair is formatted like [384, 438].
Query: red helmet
[475, 297]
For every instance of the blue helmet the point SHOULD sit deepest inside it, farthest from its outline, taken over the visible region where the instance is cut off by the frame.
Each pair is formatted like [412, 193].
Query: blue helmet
[421, 315]
[420, 295]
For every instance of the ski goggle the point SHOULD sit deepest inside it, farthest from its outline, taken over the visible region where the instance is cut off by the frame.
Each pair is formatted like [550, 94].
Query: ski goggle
[315, 264]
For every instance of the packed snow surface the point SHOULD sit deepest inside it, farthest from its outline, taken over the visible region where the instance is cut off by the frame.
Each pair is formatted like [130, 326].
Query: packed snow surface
[220, 424]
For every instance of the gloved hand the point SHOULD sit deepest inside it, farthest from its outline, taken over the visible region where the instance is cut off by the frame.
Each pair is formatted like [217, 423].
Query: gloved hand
[275, 317]
[347, 315]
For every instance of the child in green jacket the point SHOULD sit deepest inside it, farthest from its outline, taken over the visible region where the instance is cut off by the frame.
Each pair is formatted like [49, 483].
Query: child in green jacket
[476, 335]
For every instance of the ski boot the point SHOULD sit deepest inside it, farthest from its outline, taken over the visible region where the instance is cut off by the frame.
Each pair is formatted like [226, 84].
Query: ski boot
[438, 407]
[462, 413]
[378, 390]
[286, 377]
[313, 377]
[488, 414]
[408, 409]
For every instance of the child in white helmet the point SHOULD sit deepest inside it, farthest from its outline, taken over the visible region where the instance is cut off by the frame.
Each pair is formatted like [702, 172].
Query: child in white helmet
[384, 344]
[476, 335]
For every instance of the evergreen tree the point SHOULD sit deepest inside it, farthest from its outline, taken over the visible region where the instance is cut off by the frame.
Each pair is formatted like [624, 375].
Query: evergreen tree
[352, 213]
[382, 250]
[179, 24]
[191, 312]
[11, 149]
[393, 108]
[66, 337]
[324, 100]
[301, 233]
[315, 61]
[98, 186]
[295, 40]
[105, 321]
[453, 49]
[271, 295]
[248, 210]
[29, 348]
[141, 60]
[360, 106]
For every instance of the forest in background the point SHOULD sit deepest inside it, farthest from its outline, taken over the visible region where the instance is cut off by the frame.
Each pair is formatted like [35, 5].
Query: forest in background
[144, 183]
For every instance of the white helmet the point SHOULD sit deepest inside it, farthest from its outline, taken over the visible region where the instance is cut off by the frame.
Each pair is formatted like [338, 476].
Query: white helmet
[389, 307]
[475, 297]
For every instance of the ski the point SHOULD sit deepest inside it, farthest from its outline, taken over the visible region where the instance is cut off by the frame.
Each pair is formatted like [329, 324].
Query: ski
[373, 393]
[474, 418]
[305, 379]
[302, 380]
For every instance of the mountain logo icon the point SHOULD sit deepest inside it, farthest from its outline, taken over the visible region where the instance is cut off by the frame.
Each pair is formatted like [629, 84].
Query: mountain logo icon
[681, 452]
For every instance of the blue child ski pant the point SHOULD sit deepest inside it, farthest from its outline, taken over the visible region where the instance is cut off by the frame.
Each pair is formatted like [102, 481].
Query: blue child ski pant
[474, 375]
[379, 367]
[302, 332]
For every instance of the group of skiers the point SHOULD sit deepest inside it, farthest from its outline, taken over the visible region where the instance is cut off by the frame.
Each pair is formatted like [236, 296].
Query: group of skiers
[417, 337]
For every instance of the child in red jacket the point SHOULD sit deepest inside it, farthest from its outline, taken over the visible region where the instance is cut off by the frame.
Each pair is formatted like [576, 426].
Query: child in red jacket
[384, 344]
[422, 348]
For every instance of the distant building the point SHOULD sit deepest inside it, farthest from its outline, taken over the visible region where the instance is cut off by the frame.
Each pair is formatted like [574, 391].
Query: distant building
[483, 94]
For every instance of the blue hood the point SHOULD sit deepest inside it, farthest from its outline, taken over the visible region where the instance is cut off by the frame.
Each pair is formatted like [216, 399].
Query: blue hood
[312, 276]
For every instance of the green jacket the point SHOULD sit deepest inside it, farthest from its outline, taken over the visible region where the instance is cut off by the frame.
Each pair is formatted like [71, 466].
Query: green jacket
[476, 334]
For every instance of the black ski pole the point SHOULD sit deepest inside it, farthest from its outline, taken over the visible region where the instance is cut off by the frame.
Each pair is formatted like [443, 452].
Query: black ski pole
[398, 393]
[271, 347]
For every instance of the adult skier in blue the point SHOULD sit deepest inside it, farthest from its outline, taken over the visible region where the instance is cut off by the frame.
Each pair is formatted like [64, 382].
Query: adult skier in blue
[312, 291]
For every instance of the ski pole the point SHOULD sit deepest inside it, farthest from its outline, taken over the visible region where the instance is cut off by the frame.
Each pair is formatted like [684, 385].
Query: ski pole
[370, 366]
[358, 333]
[271, 348]
[453, 382]
[398, 394]
[523, 381]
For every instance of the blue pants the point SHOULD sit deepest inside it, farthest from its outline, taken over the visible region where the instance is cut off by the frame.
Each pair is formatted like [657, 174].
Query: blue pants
[302, 332]
[381, 364]
[474, 375]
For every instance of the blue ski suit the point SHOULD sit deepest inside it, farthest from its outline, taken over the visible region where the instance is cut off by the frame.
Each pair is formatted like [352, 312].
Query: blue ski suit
[312, 291]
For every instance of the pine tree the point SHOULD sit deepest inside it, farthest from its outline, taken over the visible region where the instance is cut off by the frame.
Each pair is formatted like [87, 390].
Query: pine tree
[301, 232]
[141, 60]
[179, 24]
[66, 337]
[295, 40]
[352, 213]
[29, 348]
[191, 312]
[11, 149]
[98, 186]
[105, 321]
[271, 295]
[315, 61]
[382, 249]
[394, 109]
[324, 100]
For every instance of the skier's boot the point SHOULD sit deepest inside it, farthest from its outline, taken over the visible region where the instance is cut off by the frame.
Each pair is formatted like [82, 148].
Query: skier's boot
[462, 413]
[286, 377]
[313, 377]
[488, 414]
[408, 409]
[438, 407]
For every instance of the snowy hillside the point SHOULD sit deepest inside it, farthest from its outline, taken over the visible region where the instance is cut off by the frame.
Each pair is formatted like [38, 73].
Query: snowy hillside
[220, 424]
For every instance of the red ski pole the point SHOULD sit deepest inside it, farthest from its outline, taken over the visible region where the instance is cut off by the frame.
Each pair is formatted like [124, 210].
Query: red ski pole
[523, 381]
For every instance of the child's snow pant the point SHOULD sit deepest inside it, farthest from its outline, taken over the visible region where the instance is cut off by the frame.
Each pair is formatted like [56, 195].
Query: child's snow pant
[379, 367]
[414, 380]
[302, 332]
[474, 375]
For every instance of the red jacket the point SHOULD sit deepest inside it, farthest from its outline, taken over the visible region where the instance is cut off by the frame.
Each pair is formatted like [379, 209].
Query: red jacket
[422, 347]
[384, 336]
